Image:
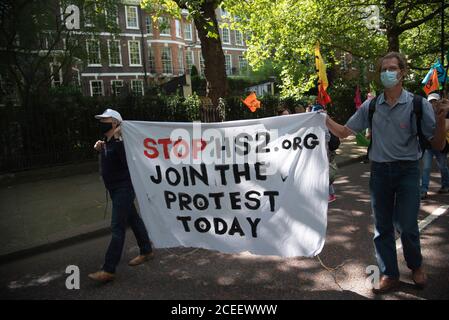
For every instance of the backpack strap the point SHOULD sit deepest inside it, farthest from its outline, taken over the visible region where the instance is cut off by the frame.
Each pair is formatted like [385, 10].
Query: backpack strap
[417, 109]
[371, 110]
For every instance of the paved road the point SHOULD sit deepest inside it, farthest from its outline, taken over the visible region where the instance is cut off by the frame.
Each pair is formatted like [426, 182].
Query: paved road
[186, 273]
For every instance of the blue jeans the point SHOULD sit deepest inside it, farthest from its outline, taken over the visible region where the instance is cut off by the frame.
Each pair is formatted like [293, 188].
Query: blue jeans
[395, 201]
[427, 167]
[124, 212]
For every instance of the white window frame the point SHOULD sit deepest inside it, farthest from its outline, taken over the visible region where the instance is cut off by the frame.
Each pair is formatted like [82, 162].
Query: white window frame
[169, 27]
[136, 80]
[52, 67]
[238, 43]
[148, 18]
[242, 60]
[189, 67]
[222, 35]
[78, 76]
[201, 63]
[171, 60]
[89, 24]
[119, 53]
[343, 62]
[230, 64]
[112, 86]
[153, 56]
[188, 26]
[137, 18]
[88, 53]
[129, 54]
[178, 29]
[91, 88]
[180, 58]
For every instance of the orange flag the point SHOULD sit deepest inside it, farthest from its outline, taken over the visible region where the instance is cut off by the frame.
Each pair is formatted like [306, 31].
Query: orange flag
[323, 98]
[251, 102]
[432, 84]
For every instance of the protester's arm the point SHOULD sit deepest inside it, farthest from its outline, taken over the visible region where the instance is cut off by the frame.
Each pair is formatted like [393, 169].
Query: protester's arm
[337, 129]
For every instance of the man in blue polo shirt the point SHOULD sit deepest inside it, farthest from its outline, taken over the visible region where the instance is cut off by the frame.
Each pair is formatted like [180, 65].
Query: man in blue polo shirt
[395, 175]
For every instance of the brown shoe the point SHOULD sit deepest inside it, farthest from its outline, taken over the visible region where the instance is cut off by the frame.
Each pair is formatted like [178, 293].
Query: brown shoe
[141, 259]
[419, 277]
[386, 284]
[102, 276]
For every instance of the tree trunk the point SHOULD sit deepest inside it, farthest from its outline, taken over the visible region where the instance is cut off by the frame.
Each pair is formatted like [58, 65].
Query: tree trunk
[214, 60]
[392, 25]
[393, 40]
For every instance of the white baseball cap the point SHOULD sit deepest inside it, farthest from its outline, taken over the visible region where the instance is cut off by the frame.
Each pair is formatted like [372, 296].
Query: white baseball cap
[433, 96]
[109, 113]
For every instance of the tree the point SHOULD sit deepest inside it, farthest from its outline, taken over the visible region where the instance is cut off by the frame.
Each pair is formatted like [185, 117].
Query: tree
[285, 31]
[36, 42]
[202, 12]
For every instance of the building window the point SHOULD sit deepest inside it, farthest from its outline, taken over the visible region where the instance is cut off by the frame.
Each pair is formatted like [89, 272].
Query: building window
[167, 61]
[111, 17]
[56, 74]
[180, 62]
[149, 24]
[243, 64]
[76, 79]
[228, 64]
[178, 28]
[189, 60]
[96, 88]
[131, 17]
[225, 34]
[134, 53]
[202, 65]
[188, 31]
[93, 53]
[238, 38]
[116, 87]
[115, 56]
[151, 60]
[164, 26]
[89, 14]
[343, 62]
[224, 13]
[137, 87]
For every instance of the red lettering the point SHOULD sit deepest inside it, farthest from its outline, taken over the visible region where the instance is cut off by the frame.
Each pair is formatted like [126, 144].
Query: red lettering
[176, 147]
[165, 142]
[147, 144]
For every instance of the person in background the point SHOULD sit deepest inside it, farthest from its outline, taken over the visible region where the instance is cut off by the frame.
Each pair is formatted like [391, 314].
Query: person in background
[333, 142]
[117, 180]
[441, 159]
[299, 109]
[282, 111]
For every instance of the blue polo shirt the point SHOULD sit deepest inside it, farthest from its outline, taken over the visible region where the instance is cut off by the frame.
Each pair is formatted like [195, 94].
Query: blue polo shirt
[394, 132]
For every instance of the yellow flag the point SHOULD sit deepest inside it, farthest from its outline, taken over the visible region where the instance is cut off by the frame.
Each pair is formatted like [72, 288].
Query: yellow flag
[320, 68]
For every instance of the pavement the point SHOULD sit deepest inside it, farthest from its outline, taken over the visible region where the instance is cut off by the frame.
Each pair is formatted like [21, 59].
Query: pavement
[339, 272]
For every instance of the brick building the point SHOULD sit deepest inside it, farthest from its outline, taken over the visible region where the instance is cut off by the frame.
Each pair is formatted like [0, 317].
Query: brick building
[147, 51]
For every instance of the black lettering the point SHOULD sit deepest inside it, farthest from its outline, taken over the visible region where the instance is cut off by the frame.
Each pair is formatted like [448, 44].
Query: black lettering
[235, 228]
[238, 174]
[177, 176]
[217, 197]
[200, 202]
[169, 198]
[253, 225]
[202, 225]
[222, 168]
[220, 222]
[235, 200]
[271, 195]
[184, 201]
[311, 141]
[194, 174]
[255, 200]
[184, 222]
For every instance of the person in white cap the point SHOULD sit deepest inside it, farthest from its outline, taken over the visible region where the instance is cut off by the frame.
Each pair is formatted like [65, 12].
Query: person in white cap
[441, 158]
[117, 180]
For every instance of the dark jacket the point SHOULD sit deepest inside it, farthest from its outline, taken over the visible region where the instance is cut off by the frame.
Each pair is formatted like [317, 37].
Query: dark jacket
[114, 168]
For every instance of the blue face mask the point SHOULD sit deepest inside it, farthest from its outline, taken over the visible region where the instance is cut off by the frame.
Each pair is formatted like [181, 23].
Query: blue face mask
[389, 78]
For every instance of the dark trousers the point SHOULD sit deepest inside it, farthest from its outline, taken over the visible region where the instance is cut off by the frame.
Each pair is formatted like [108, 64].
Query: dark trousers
[123, 213]
[395, 201]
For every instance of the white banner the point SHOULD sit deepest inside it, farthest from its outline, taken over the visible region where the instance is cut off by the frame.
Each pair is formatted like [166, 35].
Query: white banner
[252, 185]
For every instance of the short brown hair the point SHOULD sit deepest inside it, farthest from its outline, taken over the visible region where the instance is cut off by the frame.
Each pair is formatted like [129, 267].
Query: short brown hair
[393, 54]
